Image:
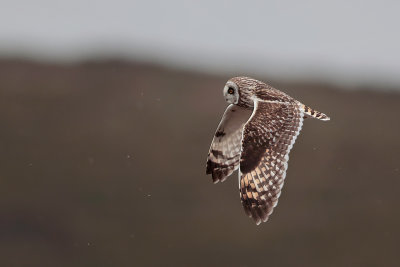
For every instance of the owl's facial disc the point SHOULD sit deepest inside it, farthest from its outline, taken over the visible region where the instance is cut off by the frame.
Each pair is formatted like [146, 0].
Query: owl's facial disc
[231, 93]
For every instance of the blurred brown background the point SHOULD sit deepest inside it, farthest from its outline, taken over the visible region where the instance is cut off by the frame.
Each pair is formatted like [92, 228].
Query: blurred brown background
[103, 164]
[108, 109]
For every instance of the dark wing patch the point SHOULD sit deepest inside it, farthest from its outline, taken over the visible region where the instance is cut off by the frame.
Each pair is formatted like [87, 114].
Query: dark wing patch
[224, 154]
[267, 140]
[219, 134]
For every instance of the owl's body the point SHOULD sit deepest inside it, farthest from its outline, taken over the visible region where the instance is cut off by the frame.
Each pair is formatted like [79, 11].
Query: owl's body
[256, 134]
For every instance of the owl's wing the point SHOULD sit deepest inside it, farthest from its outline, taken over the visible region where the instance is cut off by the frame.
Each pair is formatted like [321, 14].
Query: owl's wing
[268, 137]
[224, 154]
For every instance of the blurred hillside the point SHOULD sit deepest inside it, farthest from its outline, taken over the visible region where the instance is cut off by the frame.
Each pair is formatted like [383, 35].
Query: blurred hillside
[103, 164]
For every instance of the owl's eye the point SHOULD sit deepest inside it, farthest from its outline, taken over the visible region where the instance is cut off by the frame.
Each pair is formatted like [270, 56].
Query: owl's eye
[230, 91]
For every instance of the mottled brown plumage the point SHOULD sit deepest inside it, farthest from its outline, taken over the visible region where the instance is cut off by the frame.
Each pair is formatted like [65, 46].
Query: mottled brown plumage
[257, 144]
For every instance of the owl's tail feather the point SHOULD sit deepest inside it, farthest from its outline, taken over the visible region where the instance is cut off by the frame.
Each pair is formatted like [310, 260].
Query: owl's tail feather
[309, 112]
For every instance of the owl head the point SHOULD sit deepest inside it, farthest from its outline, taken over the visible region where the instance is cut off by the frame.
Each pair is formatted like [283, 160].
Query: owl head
[241, 91]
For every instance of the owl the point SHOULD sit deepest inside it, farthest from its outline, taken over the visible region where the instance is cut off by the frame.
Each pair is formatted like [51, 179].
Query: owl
[255, 135]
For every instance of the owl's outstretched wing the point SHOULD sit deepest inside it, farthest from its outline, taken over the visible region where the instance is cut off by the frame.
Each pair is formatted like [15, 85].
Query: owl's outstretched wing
[268, 137]
[224, 154]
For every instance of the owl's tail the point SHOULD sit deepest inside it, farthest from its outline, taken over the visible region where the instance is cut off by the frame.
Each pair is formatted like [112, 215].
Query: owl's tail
[309, 112]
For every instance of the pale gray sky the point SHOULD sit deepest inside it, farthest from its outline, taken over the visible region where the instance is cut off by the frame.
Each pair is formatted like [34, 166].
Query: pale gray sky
[342, 40]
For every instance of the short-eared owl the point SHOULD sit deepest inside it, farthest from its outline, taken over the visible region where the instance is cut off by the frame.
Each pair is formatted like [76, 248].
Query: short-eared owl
[256, 134]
